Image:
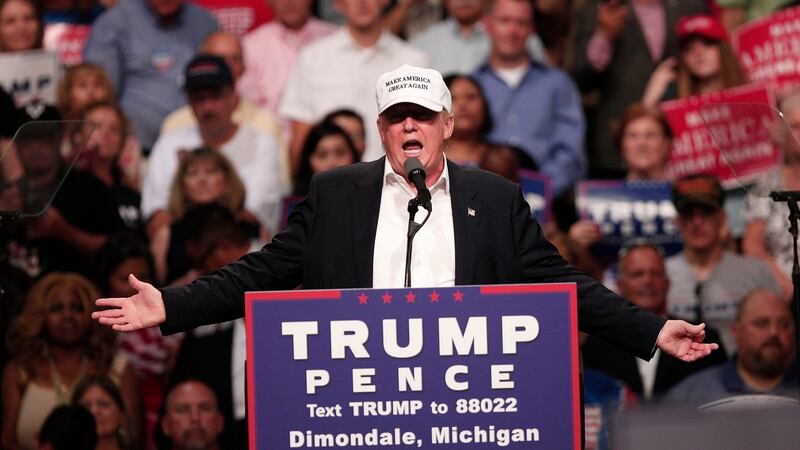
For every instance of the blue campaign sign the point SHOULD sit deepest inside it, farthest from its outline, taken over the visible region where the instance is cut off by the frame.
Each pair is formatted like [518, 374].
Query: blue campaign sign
[536, 188]
[465, 367]
[628, 209]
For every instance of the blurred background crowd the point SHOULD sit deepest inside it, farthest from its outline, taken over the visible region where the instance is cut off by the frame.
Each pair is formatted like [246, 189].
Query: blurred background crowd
[192, 127]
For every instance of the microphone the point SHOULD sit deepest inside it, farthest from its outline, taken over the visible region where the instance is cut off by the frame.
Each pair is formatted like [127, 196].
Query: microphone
[416, 174]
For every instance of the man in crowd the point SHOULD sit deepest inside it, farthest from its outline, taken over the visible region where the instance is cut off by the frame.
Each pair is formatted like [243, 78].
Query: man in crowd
[143, 45]
[344, 235]
[192, 420]
[459, 44]
[552, 132]
[253, 153]
[340, 70]
[643, 280]
[228, 46]
[708, 280]
[271, 50]
[765, 360]
[68, 427]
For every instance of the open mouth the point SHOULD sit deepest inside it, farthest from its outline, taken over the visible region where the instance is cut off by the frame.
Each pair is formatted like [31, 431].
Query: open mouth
[412, 146]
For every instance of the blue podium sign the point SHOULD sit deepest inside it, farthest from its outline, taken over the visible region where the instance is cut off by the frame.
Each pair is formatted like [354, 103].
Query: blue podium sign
[464, 367]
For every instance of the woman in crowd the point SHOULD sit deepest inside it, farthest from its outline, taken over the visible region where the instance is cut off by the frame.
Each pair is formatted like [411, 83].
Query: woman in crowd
[103, 132]
[706, 63]
[82, 85]
[327, 146]
[766, 235]
[352, 123]
[54, 344]
[203, 176]
[473, 121]
[149, 353]
[102, 397]
[644, 139]
[20, 26]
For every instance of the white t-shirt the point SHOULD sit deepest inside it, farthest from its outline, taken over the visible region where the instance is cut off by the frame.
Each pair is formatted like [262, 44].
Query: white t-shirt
[334, 72]
[254, 155]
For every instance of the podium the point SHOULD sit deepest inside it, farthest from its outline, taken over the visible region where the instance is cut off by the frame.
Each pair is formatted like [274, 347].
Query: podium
[472, 367]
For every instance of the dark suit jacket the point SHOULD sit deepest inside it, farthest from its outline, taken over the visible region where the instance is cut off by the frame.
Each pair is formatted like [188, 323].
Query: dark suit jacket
[610, 359]
[329, 243]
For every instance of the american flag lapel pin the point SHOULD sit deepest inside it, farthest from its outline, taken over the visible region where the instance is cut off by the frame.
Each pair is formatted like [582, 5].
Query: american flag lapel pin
[470, 212]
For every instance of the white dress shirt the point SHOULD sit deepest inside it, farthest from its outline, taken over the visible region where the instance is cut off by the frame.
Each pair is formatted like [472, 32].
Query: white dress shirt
[433, 256]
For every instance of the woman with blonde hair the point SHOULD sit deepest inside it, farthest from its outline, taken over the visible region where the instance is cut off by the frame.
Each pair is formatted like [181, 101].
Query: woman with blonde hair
[204, 176]
[54, 344]
[82, 85]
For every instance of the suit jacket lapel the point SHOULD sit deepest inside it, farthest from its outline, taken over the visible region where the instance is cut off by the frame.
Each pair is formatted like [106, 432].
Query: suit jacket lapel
[365, 203]
[467, 216]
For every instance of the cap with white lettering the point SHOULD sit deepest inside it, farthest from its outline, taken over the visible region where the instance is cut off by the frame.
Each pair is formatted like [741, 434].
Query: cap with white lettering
[410, 84]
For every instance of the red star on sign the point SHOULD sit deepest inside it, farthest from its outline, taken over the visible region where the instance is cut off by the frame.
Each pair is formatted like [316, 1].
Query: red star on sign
[387, 298]
[410, 297]
[362, 299]
[458, 296]
[434, 297]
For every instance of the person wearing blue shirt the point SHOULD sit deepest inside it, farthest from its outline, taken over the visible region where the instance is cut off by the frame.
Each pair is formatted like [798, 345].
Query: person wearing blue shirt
[143, 45]
[533, 106]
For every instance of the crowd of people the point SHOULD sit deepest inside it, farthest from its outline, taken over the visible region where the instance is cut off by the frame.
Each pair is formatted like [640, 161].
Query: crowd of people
[185, 132]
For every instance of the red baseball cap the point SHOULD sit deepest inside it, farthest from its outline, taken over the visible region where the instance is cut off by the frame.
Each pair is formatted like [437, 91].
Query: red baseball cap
[700, 25]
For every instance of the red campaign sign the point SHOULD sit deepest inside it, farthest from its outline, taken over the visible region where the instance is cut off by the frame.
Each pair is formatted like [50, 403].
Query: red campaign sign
[769, 47]
[67, 41]
[738, 131]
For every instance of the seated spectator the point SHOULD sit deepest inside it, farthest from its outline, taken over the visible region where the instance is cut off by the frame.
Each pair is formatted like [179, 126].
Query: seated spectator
[459, 44]
[473, 122]
[352, 123]
[143, 45]
[104, 400]
[215, 239]
[616, 47]
[552, 133]
[191, 417]
[149, 352]
[706, 63]
[327, 146]
[68, 428]
[253, 153]
[766, 235]
[82, 85]
[104, 132]
[294, 28]
[21, 31]
[709, 281]
[227, 46]
[55, 344]
[20, 26]
[506, 160]
[65, 235]
[643, 281]
[204, 177]
[644, 139]
[764, 363]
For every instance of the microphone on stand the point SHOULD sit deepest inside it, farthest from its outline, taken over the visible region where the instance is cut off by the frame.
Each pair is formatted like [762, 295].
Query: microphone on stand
[416, 175]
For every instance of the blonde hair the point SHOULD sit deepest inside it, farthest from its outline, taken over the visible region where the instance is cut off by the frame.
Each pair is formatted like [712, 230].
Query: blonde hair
[71, 75]
[234, 193]
[26, 336]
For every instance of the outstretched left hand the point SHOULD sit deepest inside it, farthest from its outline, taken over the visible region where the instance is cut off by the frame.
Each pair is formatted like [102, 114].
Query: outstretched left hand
[684, 340]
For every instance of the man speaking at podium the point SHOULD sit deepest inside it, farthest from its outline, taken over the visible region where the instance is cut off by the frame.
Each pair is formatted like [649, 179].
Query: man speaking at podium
[349, 232]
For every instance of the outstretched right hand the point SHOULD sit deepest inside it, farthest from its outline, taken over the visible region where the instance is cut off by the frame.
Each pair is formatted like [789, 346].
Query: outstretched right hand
[142, 310]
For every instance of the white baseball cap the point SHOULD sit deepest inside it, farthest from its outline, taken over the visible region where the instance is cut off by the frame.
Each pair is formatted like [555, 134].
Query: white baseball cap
[410, 84]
